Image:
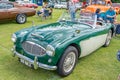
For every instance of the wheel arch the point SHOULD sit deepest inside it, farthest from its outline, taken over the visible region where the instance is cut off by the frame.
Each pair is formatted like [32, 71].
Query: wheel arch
[21, 13]
[77, 47]
[65, 47]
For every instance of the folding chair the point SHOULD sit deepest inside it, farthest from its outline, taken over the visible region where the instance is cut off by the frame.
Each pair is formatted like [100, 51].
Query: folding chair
[46, 14]
[117, 31]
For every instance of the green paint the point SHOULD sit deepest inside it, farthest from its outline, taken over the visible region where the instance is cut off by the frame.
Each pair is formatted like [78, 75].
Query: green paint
[60, 35]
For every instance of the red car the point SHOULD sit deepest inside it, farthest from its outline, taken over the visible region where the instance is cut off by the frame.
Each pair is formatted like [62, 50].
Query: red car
[14, 11]
[28, 4]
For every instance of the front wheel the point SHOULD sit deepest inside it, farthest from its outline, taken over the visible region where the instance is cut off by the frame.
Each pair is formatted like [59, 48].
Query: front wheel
[21, 18]
[68, 61]
[108, 39]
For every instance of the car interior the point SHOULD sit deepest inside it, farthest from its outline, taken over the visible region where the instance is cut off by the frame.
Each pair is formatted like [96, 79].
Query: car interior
[6, 5]
[99, 24]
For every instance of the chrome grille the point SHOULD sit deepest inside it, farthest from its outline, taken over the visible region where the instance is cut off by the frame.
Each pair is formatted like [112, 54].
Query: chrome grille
[33, 48]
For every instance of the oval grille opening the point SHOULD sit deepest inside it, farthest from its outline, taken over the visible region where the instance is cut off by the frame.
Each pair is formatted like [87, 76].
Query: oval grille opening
[33, 48]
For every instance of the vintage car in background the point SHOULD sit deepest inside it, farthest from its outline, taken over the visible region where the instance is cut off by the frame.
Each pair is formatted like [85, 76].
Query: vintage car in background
[63, 5]
[27, 4]
[13, 11]
[50, 4]
[104, 5]
[60, 5]
[78, 5]
[57, 46]
[117, 6]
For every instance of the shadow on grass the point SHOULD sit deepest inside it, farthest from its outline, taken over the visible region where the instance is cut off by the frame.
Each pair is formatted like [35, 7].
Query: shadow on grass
[8, 22]
[14, 67]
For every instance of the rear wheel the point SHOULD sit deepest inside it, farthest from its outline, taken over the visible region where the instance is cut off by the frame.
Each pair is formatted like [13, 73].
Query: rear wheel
[67, 61]
[108, 39]
[21, 18]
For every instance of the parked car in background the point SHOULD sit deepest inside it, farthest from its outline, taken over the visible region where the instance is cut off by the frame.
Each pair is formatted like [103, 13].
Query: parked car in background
[117, 6]
[14, 11]
[78, 5]
[104, 5]
[50, 4]
[57, 46]
[27, 4]
[60, 5]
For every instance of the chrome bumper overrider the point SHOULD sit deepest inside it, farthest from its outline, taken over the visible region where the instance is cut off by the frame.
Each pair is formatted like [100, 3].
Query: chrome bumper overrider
[34, 62]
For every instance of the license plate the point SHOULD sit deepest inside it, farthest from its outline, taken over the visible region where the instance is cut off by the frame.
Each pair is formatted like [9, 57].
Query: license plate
[25, 62]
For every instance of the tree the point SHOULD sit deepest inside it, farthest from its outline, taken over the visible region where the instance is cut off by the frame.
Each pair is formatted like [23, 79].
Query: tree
[116, 1]
[11, 0]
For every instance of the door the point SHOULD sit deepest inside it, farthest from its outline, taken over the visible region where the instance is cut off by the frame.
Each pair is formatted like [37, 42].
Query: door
[95, 40]
[11, 12]
[3, 11]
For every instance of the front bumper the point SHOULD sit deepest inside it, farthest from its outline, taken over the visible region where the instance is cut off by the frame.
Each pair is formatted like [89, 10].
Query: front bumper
[34, 62]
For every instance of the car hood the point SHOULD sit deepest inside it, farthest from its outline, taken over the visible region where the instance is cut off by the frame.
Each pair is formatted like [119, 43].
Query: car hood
[54, 34]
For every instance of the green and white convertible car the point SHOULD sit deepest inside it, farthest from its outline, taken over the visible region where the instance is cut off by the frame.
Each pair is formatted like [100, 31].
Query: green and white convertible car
[57, 46]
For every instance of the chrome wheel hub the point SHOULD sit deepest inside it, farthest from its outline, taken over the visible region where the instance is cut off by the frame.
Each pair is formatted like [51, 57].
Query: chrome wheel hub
[22, 19]
[69, 62]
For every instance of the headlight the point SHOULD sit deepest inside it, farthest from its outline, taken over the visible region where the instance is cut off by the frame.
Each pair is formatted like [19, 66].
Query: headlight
[50, 50]
[14, 38]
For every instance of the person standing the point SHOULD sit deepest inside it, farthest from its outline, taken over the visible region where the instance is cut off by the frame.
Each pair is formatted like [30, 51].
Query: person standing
[72, 10]
[68, 3]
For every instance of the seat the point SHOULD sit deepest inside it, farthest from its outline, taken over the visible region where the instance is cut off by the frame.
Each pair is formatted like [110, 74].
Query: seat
[45, 15]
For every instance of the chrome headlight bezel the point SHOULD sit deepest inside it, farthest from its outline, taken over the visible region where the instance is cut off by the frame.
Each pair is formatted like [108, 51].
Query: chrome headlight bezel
[14, 38]
[50, 50]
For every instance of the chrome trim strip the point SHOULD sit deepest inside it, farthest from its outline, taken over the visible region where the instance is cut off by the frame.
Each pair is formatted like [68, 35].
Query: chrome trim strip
[41, 65]
[39, 36]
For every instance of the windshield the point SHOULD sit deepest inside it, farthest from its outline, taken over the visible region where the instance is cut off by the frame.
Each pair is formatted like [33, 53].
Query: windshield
[82, 17]
[88, 18]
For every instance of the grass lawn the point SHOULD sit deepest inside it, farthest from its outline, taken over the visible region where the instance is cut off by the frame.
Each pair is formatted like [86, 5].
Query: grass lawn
[100, 65]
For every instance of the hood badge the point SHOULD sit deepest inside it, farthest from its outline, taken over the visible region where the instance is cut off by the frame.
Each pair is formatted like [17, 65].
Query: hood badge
[75, 33]
[36, 35]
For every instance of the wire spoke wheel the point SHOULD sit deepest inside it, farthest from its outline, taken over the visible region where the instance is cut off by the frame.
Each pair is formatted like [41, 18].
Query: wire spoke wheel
[69, 62]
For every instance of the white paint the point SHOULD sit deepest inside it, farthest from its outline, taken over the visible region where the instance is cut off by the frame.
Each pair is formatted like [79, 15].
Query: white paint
[91, 44]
